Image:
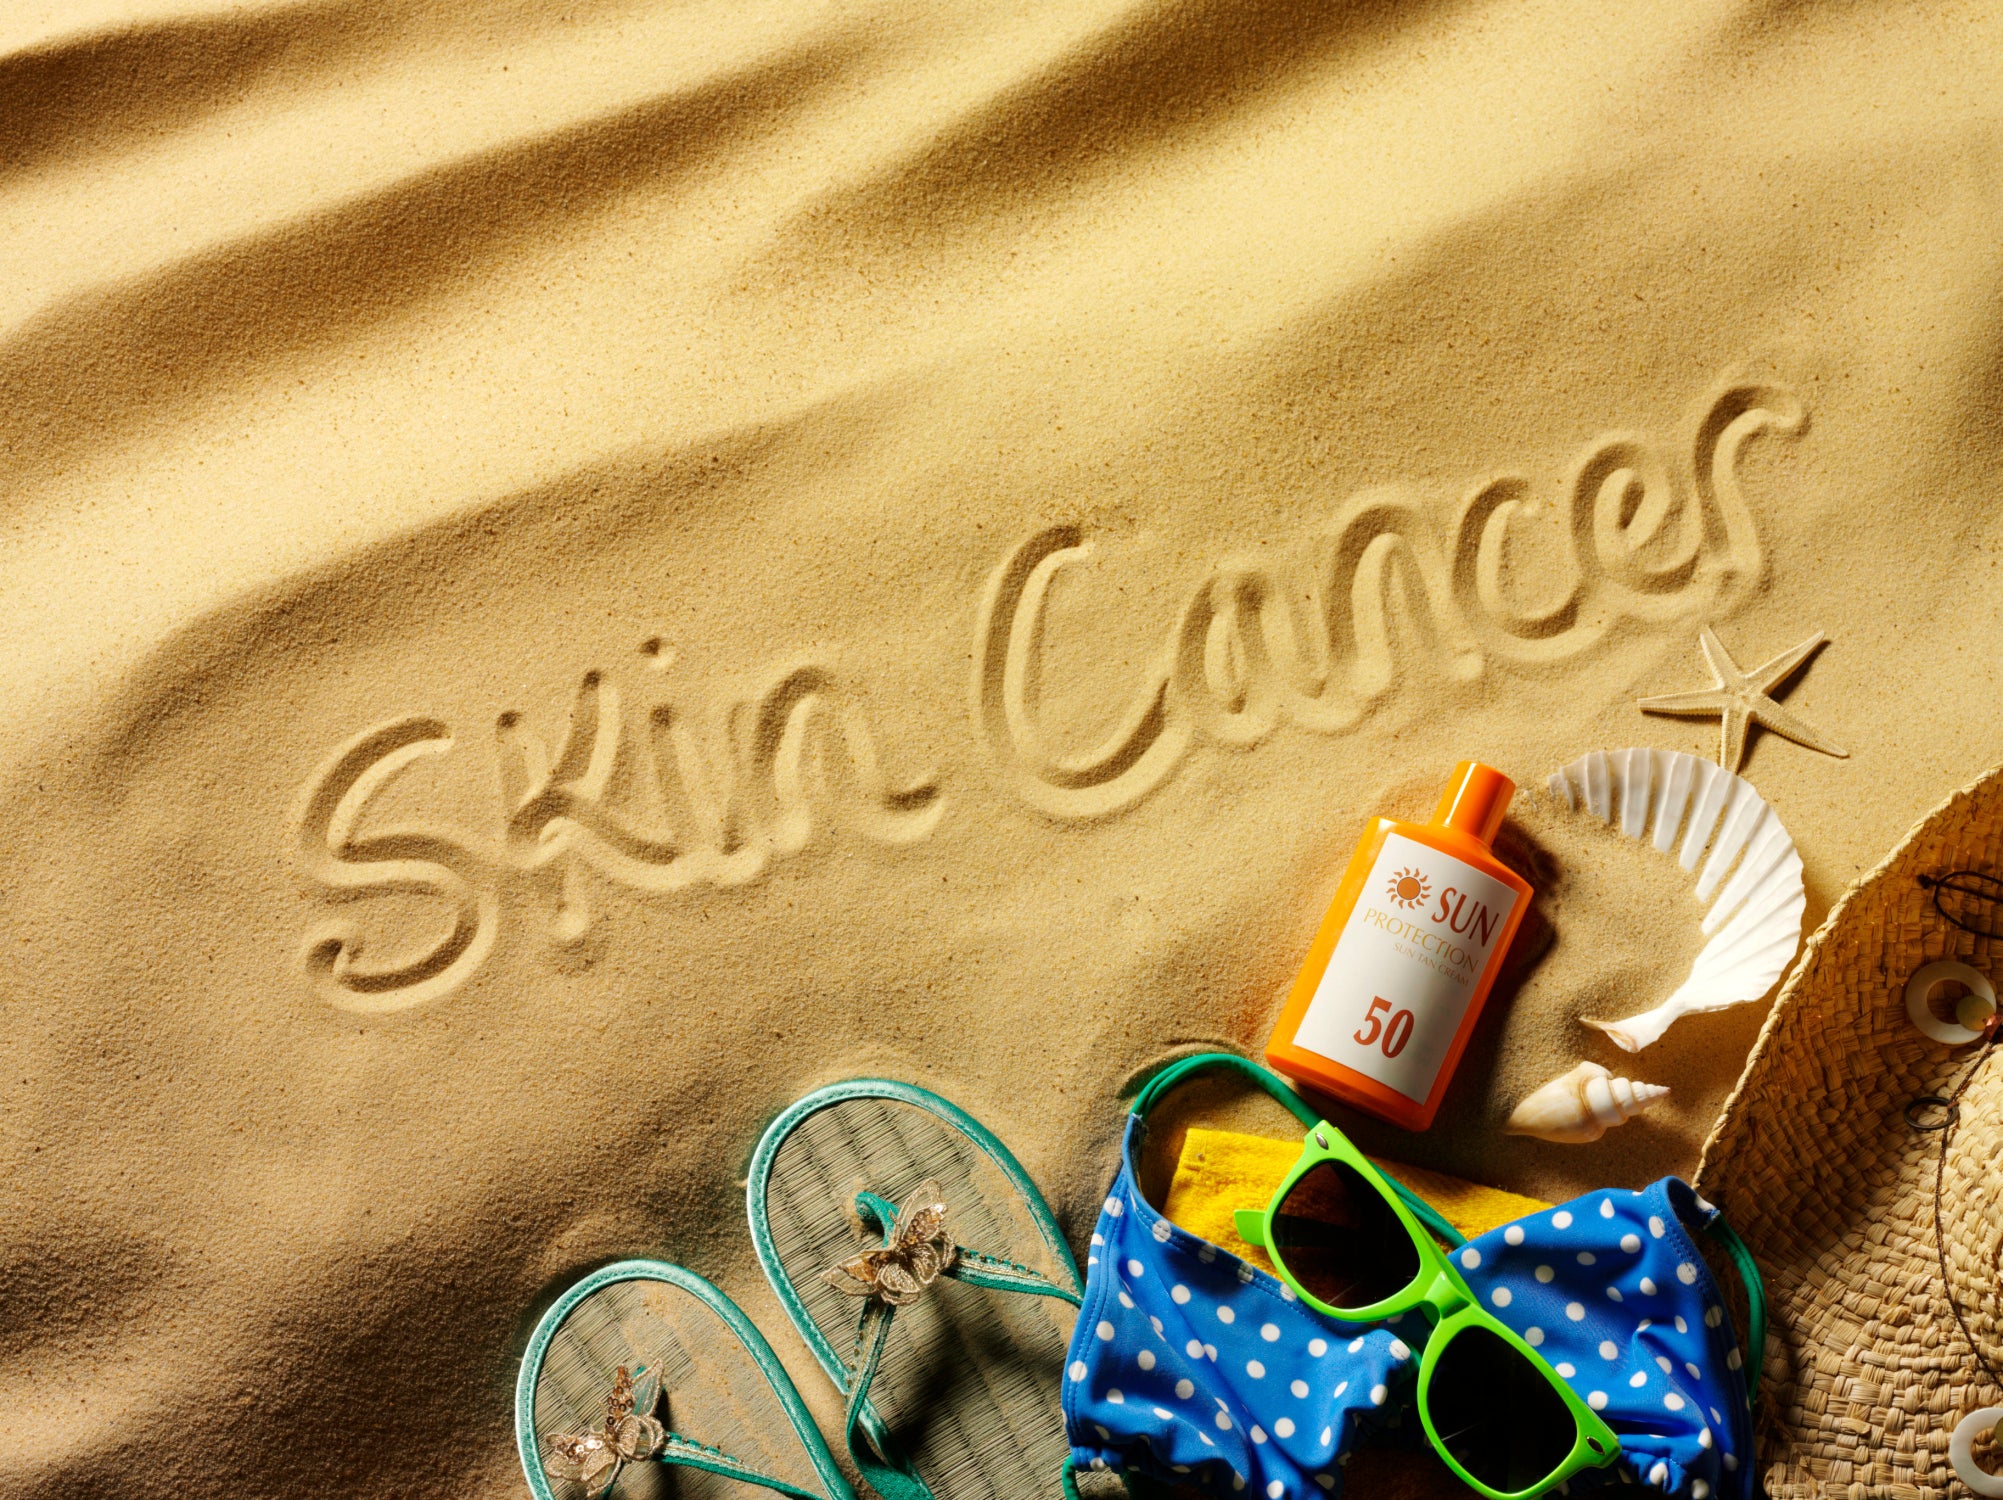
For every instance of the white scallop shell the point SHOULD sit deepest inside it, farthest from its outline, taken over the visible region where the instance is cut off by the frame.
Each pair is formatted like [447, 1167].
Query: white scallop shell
[1751, 873]
[1581, 1106]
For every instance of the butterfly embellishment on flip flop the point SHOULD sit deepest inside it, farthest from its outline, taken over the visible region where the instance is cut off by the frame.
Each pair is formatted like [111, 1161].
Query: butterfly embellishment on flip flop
[630, 1433]
[920, 1249]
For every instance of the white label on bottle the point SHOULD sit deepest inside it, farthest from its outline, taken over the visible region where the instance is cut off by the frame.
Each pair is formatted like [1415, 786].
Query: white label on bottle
[1407, 963]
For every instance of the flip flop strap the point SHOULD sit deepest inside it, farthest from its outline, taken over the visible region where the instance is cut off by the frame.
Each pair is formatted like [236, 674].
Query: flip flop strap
[991, 1271]
[974, 1267]
[862, 1428]
[691, 1454]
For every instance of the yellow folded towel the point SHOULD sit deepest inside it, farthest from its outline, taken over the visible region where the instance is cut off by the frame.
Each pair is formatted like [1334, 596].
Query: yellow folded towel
[1221, 1171]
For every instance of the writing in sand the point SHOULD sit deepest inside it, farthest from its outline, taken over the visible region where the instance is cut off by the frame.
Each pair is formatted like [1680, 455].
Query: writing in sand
[658, 808]
[1310, 638]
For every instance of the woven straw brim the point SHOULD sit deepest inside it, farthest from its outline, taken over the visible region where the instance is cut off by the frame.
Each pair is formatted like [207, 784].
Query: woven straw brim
[1815, 1163]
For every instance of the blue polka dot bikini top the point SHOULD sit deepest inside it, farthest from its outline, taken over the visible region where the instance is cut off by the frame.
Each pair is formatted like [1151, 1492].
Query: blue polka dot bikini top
[1193, 1366]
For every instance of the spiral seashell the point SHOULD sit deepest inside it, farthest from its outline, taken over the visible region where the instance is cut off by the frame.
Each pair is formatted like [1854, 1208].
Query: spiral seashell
[1581, 1106]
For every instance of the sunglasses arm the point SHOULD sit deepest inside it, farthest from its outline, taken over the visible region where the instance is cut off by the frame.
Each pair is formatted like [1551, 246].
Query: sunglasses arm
[1251, 1226]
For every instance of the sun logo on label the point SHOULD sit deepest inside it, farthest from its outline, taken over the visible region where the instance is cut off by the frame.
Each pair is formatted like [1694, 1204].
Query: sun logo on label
[1409, 887]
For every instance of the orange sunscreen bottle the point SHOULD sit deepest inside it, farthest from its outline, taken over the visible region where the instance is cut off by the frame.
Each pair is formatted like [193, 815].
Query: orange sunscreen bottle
[1392, 987]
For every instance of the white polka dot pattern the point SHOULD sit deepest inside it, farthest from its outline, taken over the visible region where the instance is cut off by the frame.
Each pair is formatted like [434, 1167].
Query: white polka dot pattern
[1201, 1365]
[1602, 1261]
[1197, 1364]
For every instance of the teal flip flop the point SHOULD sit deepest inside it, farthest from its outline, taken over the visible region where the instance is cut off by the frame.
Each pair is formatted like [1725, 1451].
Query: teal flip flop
[944, 1330]
[644, 1365]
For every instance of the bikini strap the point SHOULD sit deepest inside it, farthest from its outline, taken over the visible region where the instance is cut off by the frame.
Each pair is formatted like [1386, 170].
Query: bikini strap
[1756, 1300]
[1203, 1062]
[1172, 1075]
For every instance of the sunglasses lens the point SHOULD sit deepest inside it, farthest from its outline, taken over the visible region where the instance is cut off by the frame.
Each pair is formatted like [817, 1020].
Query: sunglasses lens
[1341, 1240]
[1498, 1413]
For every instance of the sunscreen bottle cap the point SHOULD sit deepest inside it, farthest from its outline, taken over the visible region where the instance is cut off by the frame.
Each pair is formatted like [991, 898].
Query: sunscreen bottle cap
[1475, 801]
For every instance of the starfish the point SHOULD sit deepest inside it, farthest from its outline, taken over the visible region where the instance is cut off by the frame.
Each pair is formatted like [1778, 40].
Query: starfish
[1741, 699]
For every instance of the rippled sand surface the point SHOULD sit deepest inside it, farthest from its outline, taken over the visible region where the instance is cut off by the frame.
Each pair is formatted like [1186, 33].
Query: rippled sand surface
[570, 572]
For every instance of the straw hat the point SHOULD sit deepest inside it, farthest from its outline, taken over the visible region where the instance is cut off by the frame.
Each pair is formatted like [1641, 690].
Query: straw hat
[1817, 1165]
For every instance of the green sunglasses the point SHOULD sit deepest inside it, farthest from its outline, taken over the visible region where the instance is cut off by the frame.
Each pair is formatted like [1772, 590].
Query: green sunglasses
[1346, 1242]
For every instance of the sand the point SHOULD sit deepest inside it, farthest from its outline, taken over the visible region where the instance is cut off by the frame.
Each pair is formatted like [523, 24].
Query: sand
[572, 572]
